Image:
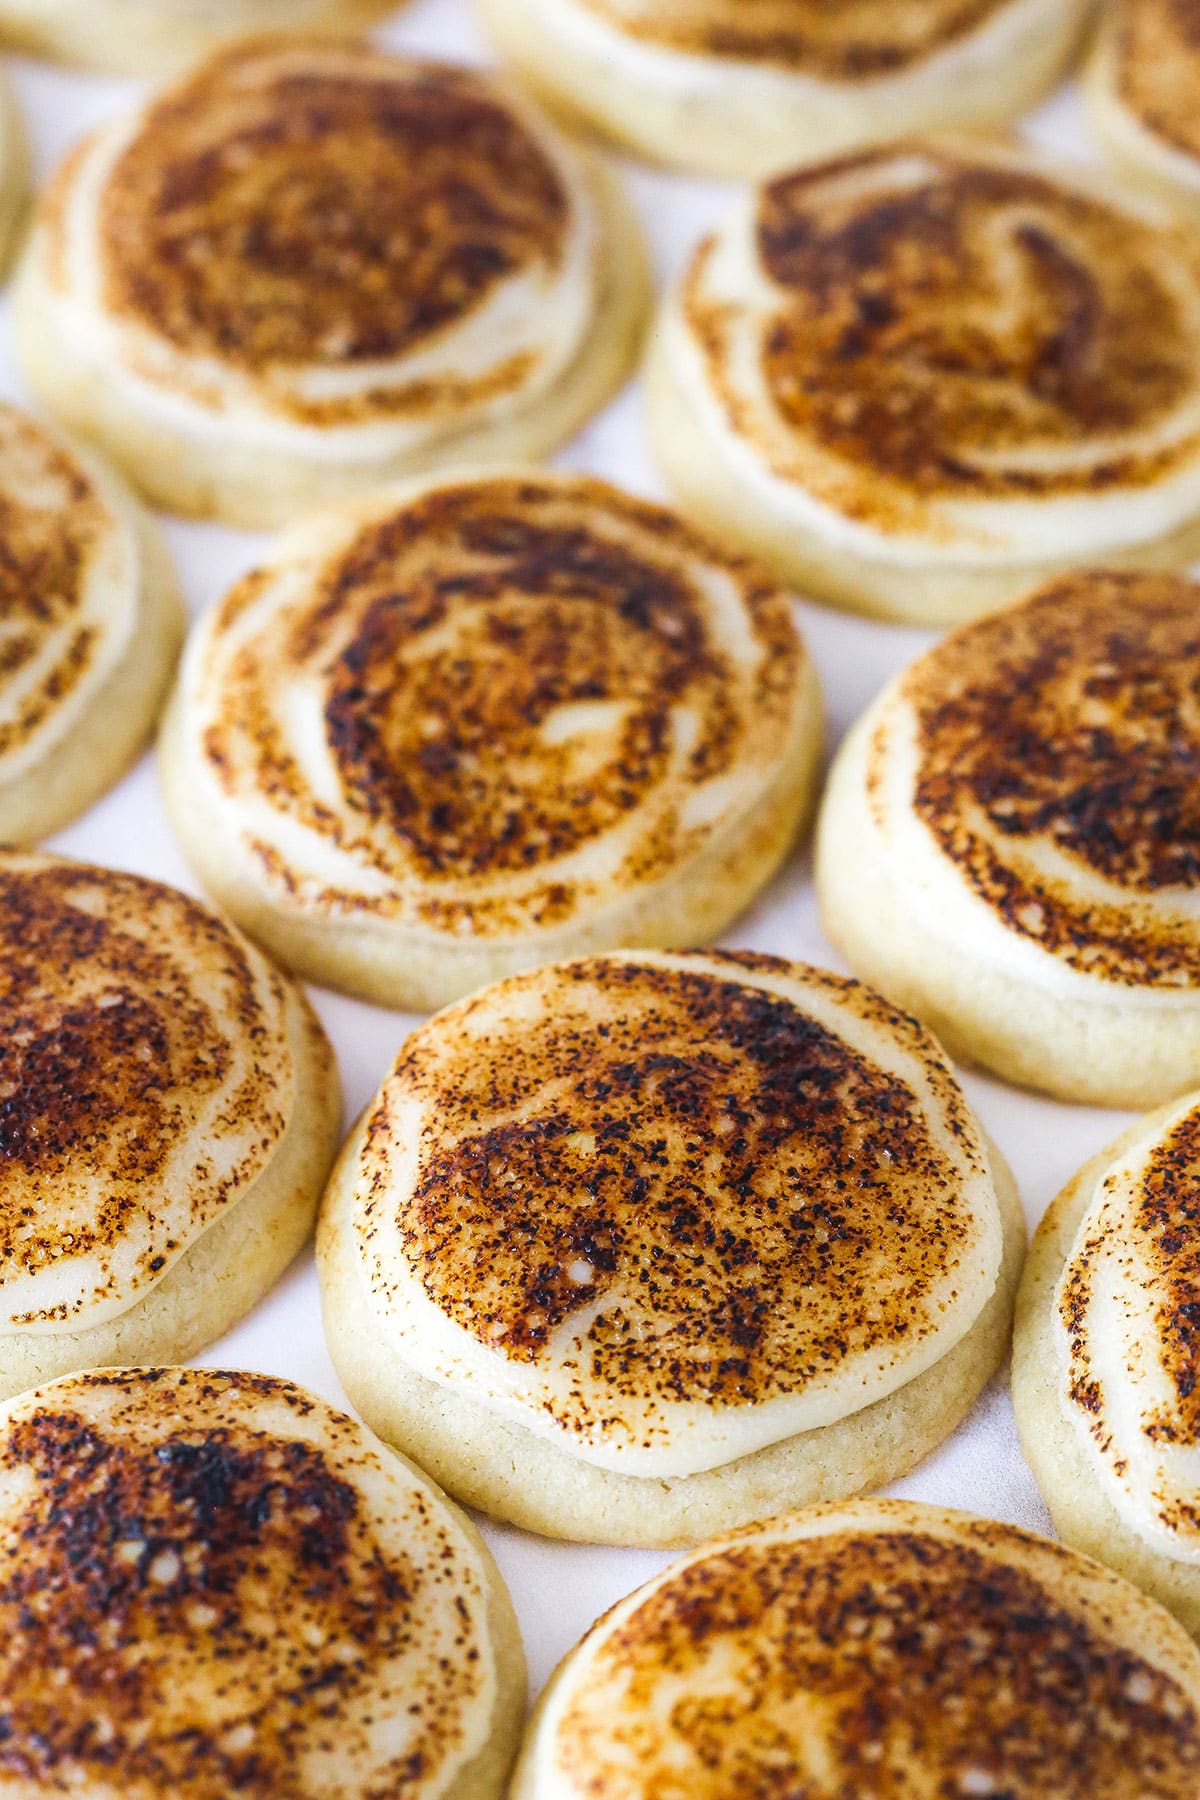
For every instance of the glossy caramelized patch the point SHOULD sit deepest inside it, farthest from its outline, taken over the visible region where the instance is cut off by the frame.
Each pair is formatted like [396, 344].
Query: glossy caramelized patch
[214, 1584]
[668, 1190]
[68, 591]
[1157, 66]
[145, 1079]
[495, 705]
[874, 1658]
[1058, 748]
[839, 40]
[1129, 1317]
[916, 326]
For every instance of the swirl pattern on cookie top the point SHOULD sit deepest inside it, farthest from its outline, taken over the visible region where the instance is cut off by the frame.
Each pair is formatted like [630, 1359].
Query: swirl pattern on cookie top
[953, 345]
[882, 1649]
[1049, 757]
[1128, 1332]
[332, 236]
[69, 589]
[846, 40]
[1156, 56]
[245, 1595]
[667, 1209]
[489, 706]
[145, 1080]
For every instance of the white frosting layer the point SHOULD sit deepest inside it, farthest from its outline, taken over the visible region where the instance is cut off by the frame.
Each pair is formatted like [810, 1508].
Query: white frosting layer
[796, 477]
[571, 1392]
[1125, 1333]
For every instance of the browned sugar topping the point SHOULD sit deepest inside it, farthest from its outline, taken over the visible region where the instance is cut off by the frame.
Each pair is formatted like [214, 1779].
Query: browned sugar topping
[747, 1199]
[324, 207]
[931, 330]
[113, 1039]
[454, 637]
[840, 40]
[1157, 49]
[192, 1605]
[51, 522]
[877, 1666]
[1165, 1227]
[1073, 721]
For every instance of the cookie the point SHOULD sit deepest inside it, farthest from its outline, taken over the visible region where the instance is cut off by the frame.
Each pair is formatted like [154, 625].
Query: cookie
[921, 378]
[311, 267]
[246, 1593]
[487, 721]
[170, 1114]
[146, 37]
[1104, 1359]
[732, 89]
[1010, 844]
[874, 1649]
[637, 1248]
[1141, 91]
[14, 174]
[92, 626]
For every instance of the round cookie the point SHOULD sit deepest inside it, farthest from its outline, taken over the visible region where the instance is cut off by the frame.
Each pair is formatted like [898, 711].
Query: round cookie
[1104, 1359]
[147, 37]
[91, 627]
[311, 267]
[484, 722]
[637, 1248]
[244, 1593]
[874, 1649]
[1141, 87]
[733, 89]
[170, 1113]
[1020, 807]
[921, 378]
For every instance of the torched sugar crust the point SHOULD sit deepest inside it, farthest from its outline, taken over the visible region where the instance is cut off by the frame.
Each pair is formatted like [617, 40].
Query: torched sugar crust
[882, 1649]
[214, 1584]
[58, 641]
[1156, 67]
[836, 40]
[649, 1182]
[321, 207]
[1070, 725]
[937, 324]
[501, 669]
[145, 1080]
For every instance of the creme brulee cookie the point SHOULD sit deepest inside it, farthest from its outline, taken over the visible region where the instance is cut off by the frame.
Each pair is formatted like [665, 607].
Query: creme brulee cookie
[170, 1113]
[90, 627]
[636, 1248]
[745, 89]
[1142, 84]
[143, 37]
[310, 267]
[1010, 840]
[921, 378]
[1105, 1359]
[874, 1650]
[243, 1593]
[472, 725]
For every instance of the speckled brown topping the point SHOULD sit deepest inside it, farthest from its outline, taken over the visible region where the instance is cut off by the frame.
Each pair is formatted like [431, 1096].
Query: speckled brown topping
[946, 325]
[511, 674]
[213, 1585]
[838, 40]
[145, 1078]
[53, 525]
[326, 207]
[1156, 1241]
[1059, 747]
[1156, 47]
[961, 1664]
[721, 1198]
